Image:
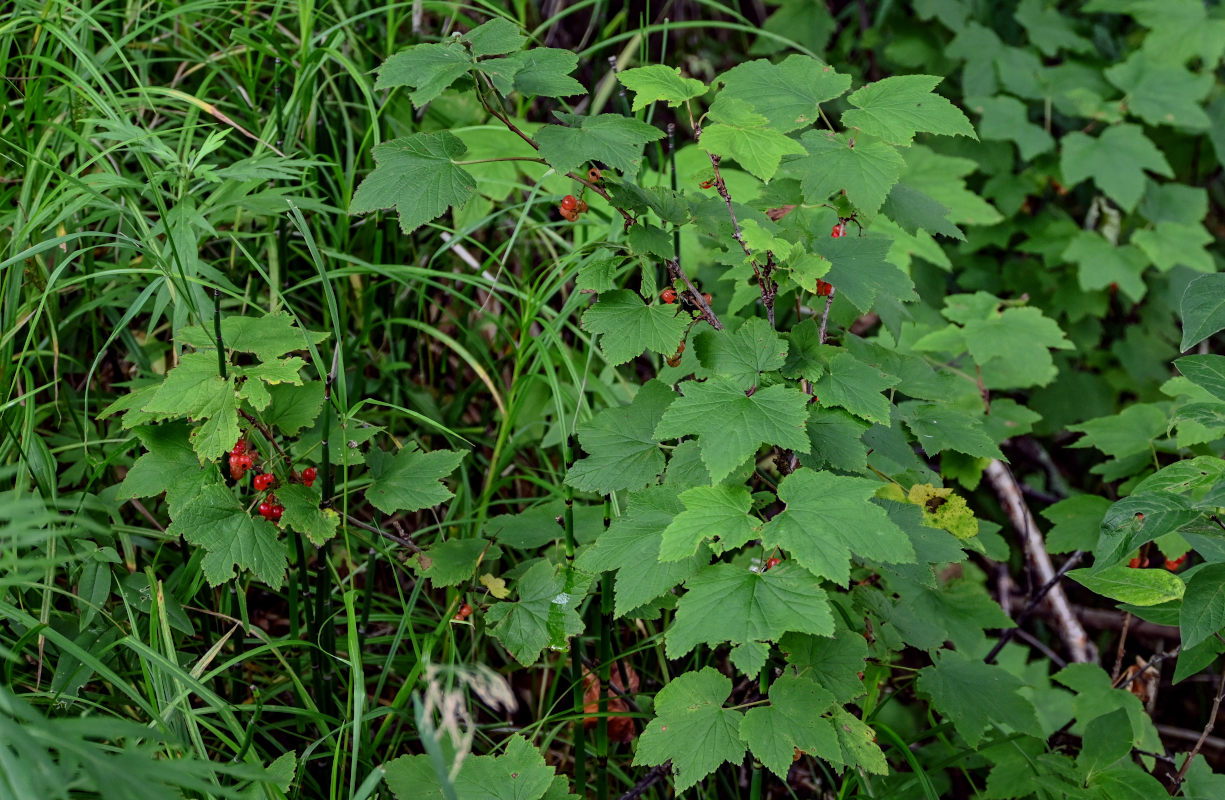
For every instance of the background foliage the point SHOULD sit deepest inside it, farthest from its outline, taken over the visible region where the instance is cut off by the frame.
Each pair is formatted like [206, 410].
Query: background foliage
[568, 537]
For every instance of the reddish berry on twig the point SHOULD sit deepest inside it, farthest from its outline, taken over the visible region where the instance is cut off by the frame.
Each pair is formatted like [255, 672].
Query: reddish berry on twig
[824, 289]
[839, 230]
[668, 295]
[772, 561]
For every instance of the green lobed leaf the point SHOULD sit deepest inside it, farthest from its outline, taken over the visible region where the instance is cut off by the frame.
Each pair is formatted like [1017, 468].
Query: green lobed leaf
[536, 72]
[691, 728]
[659, 82]
[866, 171]
[915, 211]
[741, 355]
[628, 326]
[268, 337]
[1170, 244]
[830, 517]
[729, 603]
[897, 108]
[410, 479]
[1116, 161]
[294, 407]
[1162, 92]
[731, 426]
[193, 389]
[789, 93]
[169, 466]
[417, 175]
[454, 561]
[622, 451]
[834, 662]
[428, 69]
[545, 613]
[1102, 264]
[974, 694]
[740, 133]
[519, 773]
[861, 273]
[1006, 119]
[496, 37]
[720, 513]
[791, 722]
[216, 521]
[855, 386]
[611, 138]
[1206, 372]
[303, 514]
[1126, 433]
[937, 428]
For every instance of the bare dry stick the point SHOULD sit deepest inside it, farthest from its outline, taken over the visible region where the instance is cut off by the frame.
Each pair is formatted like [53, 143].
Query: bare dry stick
[1069, 627]
[708, 314]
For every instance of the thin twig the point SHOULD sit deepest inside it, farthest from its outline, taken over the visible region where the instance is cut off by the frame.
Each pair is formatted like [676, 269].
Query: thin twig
[1070, 629]
[829, 300]
[398, 537]
[1118, 657]
[1151, 663]
[654, 776]
[1034, 602]
[708, 314]
[1199, 743]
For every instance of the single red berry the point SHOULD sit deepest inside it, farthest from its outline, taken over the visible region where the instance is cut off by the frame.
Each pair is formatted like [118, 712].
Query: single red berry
[824, 289]
[594, 175]
[668, 295]
[706, 184]
[1173, 564]
[465, 611]
[240, 447]
[839, 230]
[265, 509]
[309, 474]
[706, 296]
[277, 511]
[1138, 562]
[568, 213]
[772, 561]
[581, 208]
[569, 203]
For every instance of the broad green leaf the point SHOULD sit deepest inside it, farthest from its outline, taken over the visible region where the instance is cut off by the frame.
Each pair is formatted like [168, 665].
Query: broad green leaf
[858, 740]
[830, 517]
[418, 176]
[742, 355]
[974, 695]
[233, 538]
[622, 453]
[410, 479]
[1141, 518]
[1130, 431]
[1206, 372]
[658, 82]
[610, 138]
[1116, 161]
[837, 440]
[303, 514]
[631, 546]
[428, 69]
[1162, 92]
[1077, 521]
[1140, 587]
[791, 722]
[1102, 743]
[860, 272]
[897, 108]
[1012, 347]
[789, 94]
[1125, 781]
[628, 326]
[1102, 264]
[943, 179]
[720, 513]
[170, 466]
[268, 337]
[1202, 309]
[834, 662]
[1006, 119]
[132, 403]
[1203, 605]
[496, 37]
[1095, 697]
[749, 657]
[294, 407]
[915, 211]
[454, 561]
[537, 72]
[855, 386]
[691, 728]
[1050, 30]
[731, 426]
[519, 773]
[544, 615]
[938, 428]
[1169, 244]
[193, 389]
[740, 133]
[866, 171]
[730, 603]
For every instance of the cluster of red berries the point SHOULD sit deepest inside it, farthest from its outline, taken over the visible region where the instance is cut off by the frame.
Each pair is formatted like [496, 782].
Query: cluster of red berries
[240, 460]
[464, 612]
[1172, 564]
[708, 183]
[839, 230]
[771, 562]
[308, 477]
[270, 509]
[571, 207]
[824, 289]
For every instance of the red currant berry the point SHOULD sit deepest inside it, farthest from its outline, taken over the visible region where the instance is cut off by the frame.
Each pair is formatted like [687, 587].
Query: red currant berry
[594, 175]
[772, 561]
[568, 213]
[668, 295]
[277, 511]
[309, 474]
[706, 296]
[824, 289]
[581, 207]
[1138, 562]
[569, 203]
[839, 230]
[1173, 564]
[465, 611]
[706, 184]
[265, 509]
[262, 482]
